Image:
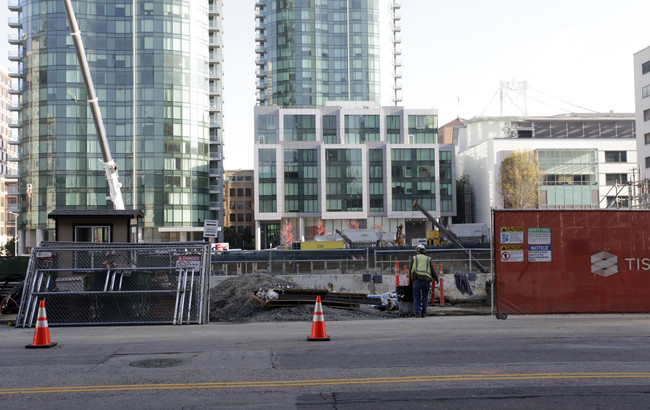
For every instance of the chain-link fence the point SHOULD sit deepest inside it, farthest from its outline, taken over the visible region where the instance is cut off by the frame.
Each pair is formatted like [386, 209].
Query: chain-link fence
[117, 283]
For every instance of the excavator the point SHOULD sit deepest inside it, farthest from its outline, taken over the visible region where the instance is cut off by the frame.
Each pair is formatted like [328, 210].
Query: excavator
[110, 167]
[449, 235]
[399, 239]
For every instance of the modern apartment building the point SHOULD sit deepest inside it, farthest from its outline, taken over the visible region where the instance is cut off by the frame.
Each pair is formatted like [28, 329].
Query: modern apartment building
[311, 52]
[156, 67]
[642, 107]
[8, 164]
[349, 163]
[332, 143]
[238, 189]
[587, 159]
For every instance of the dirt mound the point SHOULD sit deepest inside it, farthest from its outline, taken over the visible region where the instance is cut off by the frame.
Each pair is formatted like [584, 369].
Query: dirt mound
[231, 301]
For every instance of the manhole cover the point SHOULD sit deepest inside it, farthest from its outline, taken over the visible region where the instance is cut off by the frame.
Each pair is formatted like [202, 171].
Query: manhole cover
[158, 363]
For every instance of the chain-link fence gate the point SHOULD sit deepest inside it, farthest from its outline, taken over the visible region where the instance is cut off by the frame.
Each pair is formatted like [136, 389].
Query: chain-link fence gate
[117, 283]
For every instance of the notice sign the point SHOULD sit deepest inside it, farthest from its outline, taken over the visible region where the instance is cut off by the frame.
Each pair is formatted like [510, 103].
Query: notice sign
[539, 253]
[210, 228]
[512, 253]
[539, 236]
[512, 234]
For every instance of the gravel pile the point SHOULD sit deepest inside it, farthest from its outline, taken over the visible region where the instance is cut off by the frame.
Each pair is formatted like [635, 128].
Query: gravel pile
[231, 301]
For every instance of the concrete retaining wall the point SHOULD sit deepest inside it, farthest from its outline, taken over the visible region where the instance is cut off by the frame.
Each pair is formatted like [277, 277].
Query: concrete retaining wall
[354, 283]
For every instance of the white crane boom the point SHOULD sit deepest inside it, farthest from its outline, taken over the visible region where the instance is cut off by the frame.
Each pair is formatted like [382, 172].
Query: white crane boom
[110, 166]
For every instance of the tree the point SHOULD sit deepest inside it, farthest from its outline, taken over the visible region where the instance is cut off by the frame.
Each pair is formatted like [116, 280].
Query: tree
[9, 248]
[520, 180]
[286, 234]
[319, 228]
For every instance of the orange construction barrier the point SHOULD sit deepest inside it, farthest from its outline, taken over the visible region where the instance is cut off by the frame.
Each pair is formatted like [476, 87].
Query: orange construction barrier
[396, 273]
[406, 273]
[442, 287]
[318, 332]
[42, 332]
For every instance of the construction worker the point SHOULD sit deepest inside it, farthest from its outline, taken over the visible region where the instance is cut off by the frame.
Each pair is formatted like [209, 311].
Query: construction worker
[422, 273]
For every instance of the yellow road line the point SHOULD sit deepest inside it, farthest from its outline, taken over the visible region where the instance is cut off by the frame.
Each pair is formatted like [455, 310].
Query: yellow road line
[324, 382]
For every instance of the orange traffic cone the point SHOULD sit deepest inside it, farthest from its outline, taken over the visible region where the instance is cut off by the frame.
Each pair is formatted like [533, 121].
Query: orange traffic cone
[41, 333]
[318, 324]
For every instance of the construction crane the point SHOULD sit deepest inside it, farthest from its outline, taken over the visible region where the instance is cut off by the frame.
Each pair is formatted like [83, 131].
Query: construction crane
[110, 166]
[453, 239]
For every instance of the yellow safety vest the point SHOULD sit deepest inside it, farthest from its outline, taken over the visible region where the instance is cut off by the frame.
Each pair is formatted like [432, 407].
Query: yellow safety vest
[422, 266]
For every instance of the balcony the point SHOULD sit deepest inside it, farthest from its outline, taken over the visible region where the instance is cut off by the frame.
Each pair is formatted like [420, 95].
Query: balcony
[260, 50]
[14, 57]
[15, 40]
[14, 123]
[215, 206]
[15, 74]
[15, 107]
[15, 23]
[216, 172]
[14, 5]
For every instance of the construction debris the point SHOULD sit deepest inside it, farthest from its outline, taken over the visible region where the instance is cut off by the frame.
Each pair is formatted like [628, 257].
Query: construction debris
[260, 297]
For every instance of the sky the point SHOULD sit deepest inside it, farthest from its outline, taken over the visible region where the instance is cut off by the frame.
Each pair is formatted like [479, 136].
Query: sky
[575, 56]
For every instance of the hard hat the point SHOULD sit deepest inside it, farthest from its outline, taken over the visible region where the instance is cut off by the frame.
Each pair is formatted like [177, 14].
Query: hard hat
[420, 248]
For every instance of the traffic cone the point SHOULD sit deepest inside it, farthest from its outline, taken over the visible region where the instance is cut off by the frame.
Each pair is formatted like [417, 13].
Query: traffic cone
[318, 332]
[41, 333]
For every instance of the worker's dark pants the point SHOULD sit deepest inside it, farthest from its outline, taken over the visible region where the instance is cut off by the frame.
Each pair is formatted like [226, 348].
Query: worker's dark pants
[421, 291]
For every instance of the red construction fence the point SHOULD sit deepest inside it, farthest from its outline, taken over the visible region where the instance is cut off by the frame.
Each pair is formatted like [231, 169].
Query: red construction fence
[572, 261]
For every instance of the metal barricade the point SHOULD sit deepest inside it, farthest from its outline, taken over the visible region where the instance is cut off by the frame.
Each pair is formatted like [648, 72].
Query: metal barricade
[117, 283]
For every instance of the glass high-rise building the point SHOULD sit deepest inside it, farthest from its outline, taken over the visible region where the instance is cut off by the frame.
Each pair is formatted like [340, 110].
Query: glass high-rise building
[310, 52]
[156, 68]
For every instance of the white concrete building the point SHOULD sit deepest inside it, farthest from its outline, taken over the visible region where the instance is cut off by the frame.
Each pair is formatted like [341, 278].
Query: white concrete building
[349, 162]
[642, 107]
[583, 156]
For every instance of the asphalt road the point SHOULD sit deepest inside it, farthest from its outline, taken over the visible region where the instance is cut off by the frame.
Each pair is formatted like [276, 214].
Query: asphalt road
[532, 362]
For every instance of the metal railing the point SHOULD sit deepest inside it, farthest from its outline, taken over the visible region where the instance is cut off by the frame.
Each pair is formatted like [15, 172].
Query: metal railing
[117, 283]
[364, 260]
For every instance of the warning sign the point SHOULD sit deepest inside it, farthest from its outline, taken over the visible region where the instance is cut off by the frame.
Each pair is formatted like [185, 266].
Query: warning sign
[512, 234]
[189, 262]
[512, 253]
[539, 236]
[539, 253]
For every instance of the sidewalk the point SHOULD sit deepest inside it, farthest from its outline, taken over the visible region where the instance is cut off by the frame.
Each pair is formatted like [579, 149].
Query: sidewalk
[462, 309]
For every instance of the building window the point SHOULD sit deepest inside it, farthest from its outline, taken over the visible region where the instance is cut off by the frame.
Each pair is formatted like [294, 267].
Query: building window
[613, 179]
[92, 233]
[232, 191]
[394, 129]
[300, 180]
[413, 176]
[361, 128]
[618, 202]
[423, 129]
[646, 115]
[343, 182]
[647, 162]
[645, 91]
[645, 67]
[232, 217]
[616, 156]
[267, 129]
[646, 138]
[300, 128]
[329, 129]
